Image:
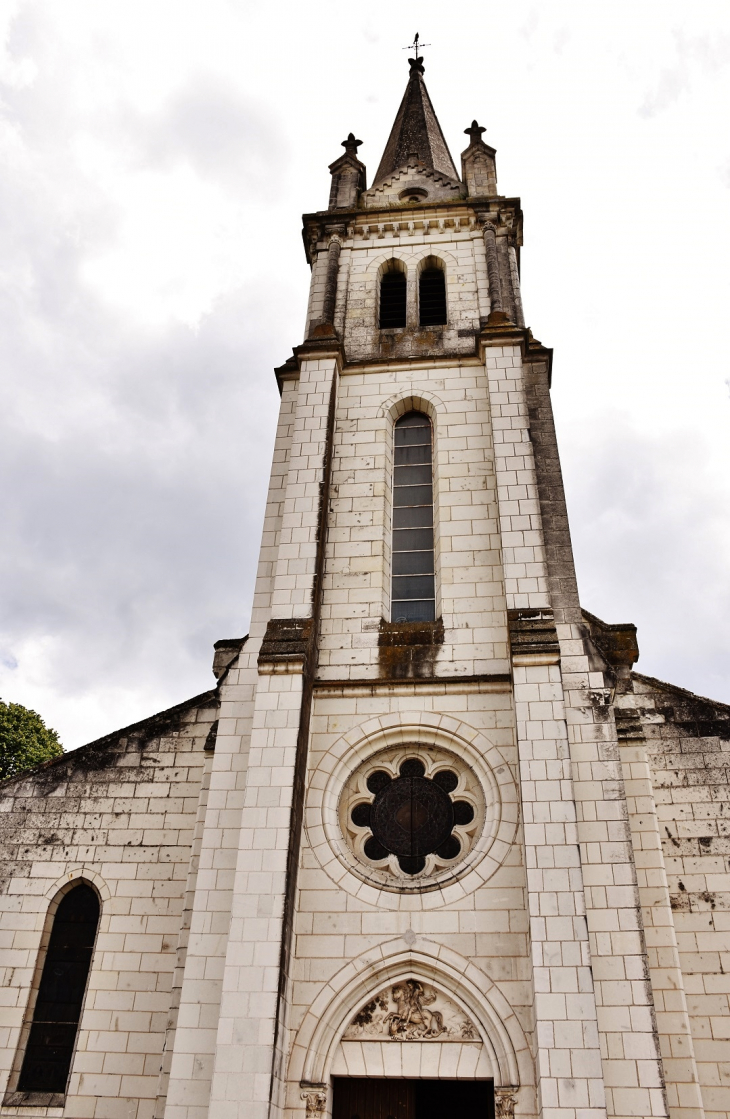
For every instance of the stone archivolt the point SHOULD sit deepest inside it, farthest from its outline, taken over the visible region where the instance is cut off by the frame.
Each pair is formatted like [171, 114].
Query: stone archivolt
[473, 1001]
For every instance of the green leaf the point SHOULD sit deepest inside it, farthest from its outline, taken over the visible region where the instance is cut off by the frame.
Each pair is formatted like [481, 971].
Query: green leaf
[25, 740]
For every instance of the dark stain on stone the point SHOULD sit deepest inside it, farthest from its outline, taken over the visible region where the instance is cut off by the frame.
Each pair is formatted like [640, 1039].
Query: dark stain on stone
[104, 753]
[408, 650]
[532, 632]
[211, 737]
[287, 639]
[617, 643]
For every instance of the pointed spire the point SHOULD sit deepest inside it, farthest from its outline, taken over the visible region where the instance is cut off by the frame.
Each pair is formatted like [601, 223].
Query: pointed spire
[416, 131]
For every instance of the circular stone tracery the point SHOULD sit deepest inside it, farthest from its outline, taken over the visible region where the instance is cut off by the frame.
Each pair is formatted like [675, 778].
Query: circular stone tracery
[408, 814]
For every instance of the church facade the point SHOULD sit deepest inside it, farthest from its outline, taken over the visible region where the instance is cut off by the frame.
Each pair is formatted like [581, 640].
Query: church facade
[430, 845]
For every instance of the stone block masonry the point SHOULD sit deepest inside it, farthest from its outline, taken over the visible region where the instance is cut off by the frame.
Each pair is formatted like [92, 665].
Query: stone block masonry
[474, 846]
[120, 814]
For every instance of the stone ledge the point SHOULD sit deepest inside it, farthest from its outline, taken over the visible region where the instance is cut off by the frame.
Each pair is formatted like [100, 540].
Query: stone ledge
[287, 642]
[434, 685]
[617, 642]
[533, 637]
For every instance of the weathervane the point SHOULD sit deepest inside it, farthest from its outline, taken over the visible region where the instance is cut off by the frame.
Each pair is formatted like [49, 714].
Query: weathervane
[415, 46]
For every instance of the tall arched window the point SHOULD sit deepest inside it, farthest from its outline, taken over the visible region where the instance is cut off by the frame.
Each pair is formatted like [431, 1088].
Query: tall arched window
[413, 596]
[392, 297]
[432, 296]
[57, 1011]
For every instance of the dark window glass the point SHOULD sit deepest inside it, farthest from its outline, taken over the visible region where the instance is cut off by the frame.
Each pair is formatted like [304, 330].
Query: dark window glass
[412, 539]
[413, 456]
[413, 563]
[412, 495]
[432, 297]
[50, 1047]
[413, 475]
[409, 437]
[413, 586]
[421, 516]
[392, 300]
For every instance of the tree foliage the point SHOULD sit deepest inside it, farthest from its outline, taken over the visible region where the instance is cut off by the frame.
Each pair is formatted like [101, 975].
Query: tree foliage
[25, 740]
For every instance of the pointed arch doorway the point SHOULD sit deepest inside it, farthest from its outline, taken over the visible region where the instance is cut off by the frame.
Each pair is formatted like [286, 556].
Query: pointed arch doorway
[384, 1098]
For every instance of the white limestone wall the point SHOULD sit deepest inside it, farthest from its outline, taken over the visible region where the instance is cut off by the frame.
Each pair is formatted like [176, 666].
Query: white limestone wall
[122, 820]
[470, 587]
[486, 494]
[188, 1095]
[351, 937]
[248, 1033]
[489, 555]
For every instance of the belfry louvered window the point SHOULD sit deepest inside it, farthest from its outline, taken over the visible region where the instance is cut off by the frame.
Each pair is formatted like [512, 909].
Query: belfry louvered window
[432, 297]
[392, 299]
[413, 585]
[50, 1047]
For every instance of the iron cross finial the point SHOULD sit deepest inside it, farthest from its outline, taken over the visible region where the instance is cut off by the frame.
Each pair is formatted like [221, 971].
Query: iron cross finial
[415, 46]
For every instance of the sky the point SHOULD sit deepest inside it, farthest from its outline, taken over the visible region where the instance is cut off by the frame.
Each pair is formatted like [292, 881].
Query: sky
[156, 158]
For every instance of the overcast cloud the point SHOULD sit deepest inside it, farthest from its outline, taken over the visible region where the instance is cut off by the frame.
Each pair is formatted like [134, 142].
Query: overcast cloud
[156, 158]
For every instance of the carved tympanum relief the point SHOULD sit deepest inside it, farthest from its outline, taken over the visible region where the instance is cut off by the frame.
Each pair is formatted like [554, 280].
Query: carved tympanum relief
[411, 1010]
[411, 812]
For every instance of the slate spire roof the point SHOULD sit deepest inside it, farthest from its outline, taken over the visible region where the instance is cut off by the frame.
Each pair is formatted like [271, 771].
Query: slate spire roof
[416, 131]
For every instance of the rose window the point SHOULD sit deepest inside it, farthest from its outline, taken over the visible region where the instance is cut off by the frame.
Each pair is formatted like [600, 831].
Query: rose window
[411, 811]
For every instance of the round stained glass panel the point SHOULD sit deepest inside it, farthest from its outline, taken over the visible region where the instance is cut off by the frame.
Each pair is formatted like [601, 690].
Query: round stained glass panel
[412, 816]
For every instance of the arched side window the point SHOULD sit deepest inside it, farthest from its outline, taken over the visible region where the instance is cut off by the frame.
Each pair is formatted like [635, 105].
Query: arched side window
[393, 288]
[413, 597]
[57, 1011]
[432, 294]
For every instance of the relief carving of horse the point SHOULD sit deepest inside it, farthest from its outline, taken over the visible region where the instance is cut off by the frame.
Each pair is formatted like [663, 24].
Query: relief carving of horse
[412, 1019]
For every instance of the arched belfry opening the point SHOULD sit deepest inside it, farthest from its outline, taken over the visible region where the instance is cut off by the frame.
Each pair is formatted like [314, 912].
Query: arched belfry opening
[432, 293]
[57, 1011]
[393, 296]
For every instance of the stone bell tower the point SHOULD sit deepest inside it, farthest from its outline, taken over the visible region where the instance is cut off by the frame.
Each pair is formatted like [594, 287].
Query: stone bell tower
[421, 857]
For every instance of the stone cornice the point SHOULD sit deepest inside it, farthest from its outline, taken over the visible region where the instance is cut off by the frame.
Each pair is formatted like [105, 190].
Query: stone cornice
[491, 334]
[505, 213]
[432, 685]
[326, 344]
[533, 637]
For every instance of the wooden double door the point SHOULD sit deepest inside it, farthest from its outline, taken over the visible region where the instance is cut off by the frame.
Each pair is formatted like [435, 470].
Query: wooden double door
[356, 1098]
